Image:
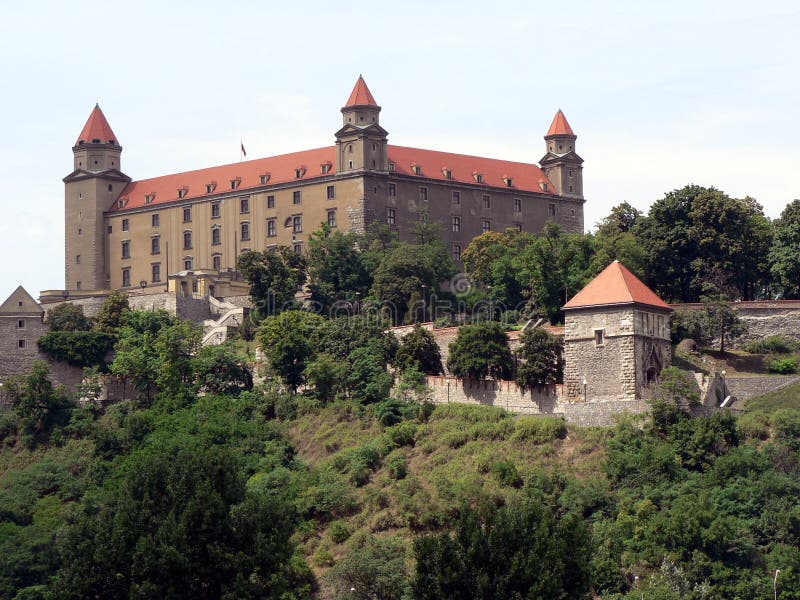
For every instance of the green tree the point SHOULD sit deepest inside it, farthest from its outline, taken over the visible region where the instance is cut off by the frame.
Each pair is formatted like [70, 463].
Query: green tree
[113, 313]
[335, 269]
[418, 349]
[541, 359]
[339, 337]
[221, 370]
[784, 258]
[326, 374]
[287, 342]
[274, 277]
[375, 567]
[36, 402]
[479, 351]
[616, 240]
[79, 348]
[68, 317]
[368, 380]
[722, 322]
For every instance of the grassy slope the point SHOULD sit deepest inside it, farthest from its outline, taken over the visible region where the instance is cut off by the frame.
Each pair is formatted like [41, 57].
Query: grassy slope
[788, 397]
[453, 458]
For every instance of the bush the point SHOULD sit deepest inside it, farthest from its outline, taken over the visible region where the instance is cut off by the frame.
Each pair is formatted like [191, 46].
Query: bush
[339, 531]
[506, 473]
[753, 425]
[786, 423]
[539, 430]
[774, 344]
[397, 466]
[455, 439]
[402, 434]
[8, 425]
[783, 366]
[79, 348]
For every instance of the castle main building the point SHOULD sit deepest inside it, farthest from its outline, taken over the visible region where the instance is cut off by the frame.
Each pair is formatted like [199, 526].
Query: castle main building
[122, 233]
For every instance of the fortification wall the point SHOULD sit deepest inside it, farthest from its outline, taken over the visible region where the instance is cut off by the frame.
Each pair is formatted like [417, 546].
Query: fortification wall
[764, 318]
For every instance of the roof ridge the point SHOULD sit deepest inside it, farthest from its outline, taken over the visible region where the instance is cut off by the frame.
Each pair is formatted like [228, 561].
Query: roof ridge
[616, 284]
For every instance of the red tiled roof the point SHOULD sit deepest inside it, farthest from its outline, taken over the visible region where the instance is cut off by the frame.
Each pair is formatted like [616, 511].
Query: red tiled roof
[361, 96]
[560, 125]
[616, 285]
[281, 169]
[97, 128]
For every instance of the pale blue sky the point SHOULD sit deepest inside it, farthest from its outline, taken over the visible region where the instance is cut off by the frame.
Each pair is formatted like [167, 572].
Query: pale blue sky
[660, 94]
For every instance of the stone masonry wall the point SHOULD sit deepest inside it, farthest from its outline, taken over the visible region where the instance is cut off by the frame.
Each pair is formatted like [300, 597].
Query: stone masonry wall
[764, 318]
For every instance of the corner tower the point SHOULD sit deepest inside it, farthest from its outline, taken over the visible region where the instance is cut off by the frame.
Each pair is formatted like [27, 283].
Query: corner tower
[91, 189]
[561, 164]
[361, 142]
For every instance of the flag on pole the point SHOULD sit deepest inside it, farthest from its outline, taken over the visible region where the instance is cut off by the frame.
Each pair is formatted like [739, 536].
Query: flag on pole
[244, 152]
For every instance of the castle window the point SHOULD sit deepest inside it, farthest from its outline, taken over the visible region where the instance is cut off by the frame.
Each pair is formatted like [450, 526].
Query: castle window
[351, 164]
[325, 167]
[456, 197]
[244, 205]
[417, 169]
[194, 284]
[21, 344]
[517, 205]
[374, 147]
[486, 226]
[217, 262]
[456, 223]
[508, 181]
[570, 188]
[298, 173]
[80, 231]
[21, 324]
[560, 148]
[456, 251]
[187, 215]
[148, 198]
[270, 201]
[126, 249]
[551, 209]
[298, 248]
[77, 285]
[125, 225]
[297, 197]
[544, 186]
[110, 188]
[391, 167]
[487, 201]
[264, 178]
[126, 278]
[188, 263]
[181, 193]
[210, 187]
[390, 216]
[391, 190]
[350, 148]
[517, 226]
[155, 245]
[297, 224]
[78, 259]
[215, 210]
[156, 273]
[235, 183]
[478, 177]
[423, 193]
[110, 229]
[599, 337]
[216, 236]
[571, 212]
[332, 218]
[155, 220]
[271, 228]
[569, 172]
[245, 231]
[331, 192]
[373, 163]
[448, 174]
[187, 240]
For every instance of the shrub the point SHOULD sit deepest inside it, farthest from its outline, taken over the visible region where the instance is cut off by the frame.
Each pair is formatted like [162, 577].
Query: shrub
[783, 366]
[506, 473]
[539, 430]
[397, 466]
[323, 558]
[455, 439]
[468, 414]
[339, 531]
[79, 348]
[774, 344]
[392, 411]
[786, 423]
[8, 425]
[402, 434]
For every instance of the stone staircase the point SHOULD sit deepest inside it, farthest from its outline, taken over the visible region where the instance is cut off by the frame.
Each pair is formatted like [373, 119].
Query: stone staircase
[228, 316]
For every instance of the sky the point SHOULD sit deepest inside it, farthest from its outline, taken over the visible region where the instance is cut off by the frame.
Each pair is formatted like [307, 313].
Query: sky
[660, 93]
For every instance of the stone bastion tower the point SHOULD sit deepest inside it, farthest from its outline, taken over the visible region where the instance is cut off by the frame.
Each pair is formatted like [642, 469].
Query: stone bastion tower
[616, 338]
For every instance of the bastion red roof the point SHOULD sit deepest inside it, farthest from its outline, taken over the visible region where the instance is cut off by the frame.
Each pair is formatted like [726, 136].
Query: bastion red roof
[560, 125]
[97, 128]
[361, 96]
[616, 285]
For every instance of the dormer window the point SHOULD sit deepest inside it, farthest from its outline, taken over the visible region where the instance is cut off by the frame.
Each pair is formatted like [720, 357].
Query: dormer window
[508, 181]
[122, 202]
[325, 168]
[448, 174]
[182, 192]
[417, 169]
[210, 187]
[235, 183]
[299, 172]
[264, 178]
[478, 177]
[543, 185]
[391, 167]
[148, 198]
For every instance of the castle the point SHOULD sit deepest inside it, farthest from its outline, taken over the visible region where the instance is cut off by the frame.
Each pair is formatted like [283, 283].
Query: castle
[190, 227]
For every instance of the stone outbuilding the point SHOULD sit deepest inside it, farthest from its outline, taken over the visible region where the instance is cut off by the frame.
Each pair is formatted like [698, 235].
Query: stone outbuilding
[21, 324]
[616, 338]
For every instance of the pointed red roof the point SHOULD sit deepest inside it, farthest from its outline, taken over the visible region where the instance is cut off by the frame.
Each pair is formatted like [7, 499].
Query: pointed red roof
[616, 285]
[361, 96]
[560, 125]
[97, 128]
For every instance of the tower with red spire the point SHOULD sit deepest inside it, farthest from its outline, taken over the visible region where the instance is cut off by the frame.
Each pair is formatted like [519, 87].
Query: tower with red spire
[91, 189]
[562, 165]
[361, 143]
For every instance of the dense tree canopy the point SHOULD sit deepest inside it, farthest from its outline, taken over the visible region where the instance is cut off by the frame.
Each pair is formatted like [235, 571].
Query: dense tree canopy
[274, 277]
[418, 350]
[541, 359]
[479, 351]
[784, 256]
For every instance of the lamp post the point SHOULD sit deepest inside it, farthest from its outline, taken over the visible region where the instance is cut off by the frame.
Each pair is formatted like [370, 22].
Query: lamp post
[143, 284]
[358, 302]
[424, 303]
[584, 382]
[775, 584]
